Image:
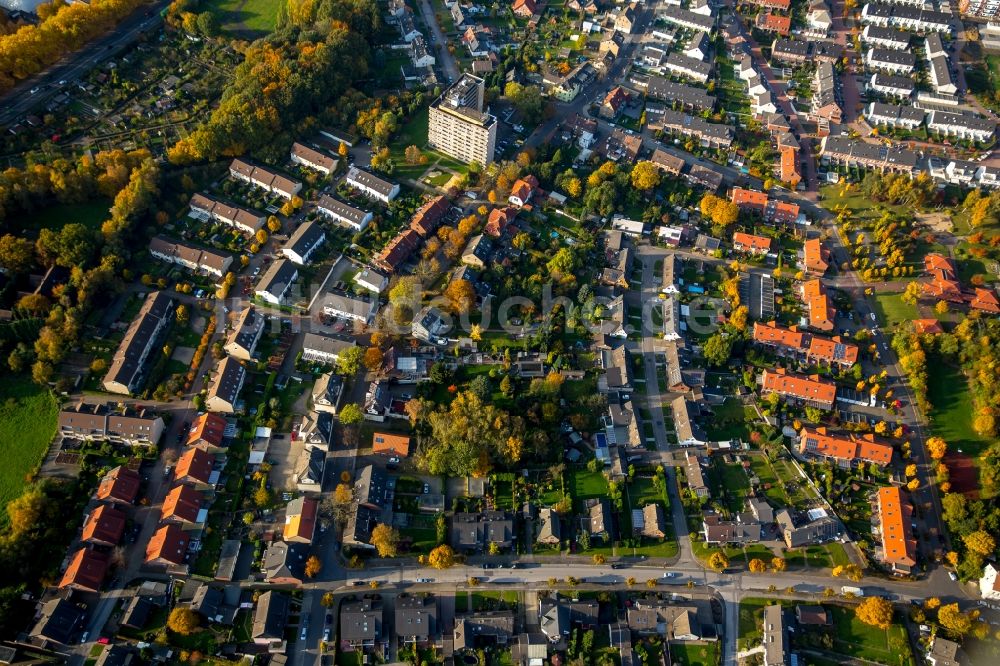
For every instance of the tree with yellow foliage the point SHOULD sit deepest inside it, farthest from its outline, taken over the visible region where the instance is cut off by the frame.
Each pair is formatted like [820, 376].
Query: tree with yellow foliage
[757, 565]
[645, 176]
[980, 542]
[779, 564]
[936, 447]
[385, 539]
[313, 566]
[718, 561]
[932, 603]
[912, 484]
[442, 557]
[183, 621]
[876, 612]
[911, 471]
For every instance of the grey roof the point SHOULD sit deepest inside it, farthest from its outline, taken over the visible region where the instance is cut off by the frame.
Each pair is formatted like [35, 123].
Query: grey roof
[600, 518]
[774, 636]
[228, 380]
[285, 560]
[270, 616]
[325, 344]
[877, 32]
[340, 209]
[416, 616]
[228, 557]
[789, 47]
[360, 524]
[871, 154]
[183, 251]
[685, 18]
[277, 278]
[128, 361]
[370, 181]
[498, 626]
[686, 413]
[247, 328]
[892, 81]
[361, 620]
[666, 90]
[305, 238]
[549, 528]
[371, 487]
[967, 121]
[892, 57]
[59, 621]
[686, 64]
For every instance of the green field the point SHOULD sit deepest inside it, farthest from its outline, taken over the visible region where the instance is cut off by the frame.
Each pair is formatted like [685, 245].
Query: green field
[91, 215]
[247, 18]
[585, 484]
[695, 654]
[948, 392]
[857, 639]
[891, 309]
[27, 425]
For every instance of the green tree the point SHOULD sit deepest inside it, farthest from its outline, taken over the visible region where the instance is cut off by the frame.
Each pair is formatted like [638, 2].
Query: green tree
[349, 361]
[351, 414]
[718, 349]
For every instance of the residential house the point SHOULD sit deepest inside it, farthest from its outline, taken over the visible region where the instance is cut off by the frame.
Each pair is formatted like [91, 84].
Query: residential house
[893, 86]
[666, 162]
[210, 209]
[270, 618]
[549, 528]
[695, 476]
[558, 617]
[699, 46]
[674, 622]
[131, 426]
[350, 308]
[429, 216]
[751, 244]
[817, 528]
[313, 159]
[616, 100]
[346, 214]
[196, 467]
[127, 371]
[104, 526]
[598, 522]
[478, 251]
[804, 346]
[670, 310]
[120, 484]
[818, 304]
[482, 629]
[681, 65]
[894, 116]
[815, 257]
[851, 152]
[688, 20]
[183, 506]
[224, 392]
[522, 190]
[309, 469]
[894, 516]
[326, 393]
[247, 331]
[671, 92]
[625, 21]
[275, 285]
[208, 432]
[989, 584]
[371, 279]
[498, 221]
[192, 257]
[303, 242]
[264, 178]
[887, 38]
[167, 547]
[384, 443]
[416, 619]
[685, 414]
[847, 450]
[300, 520]
[58, 621]
[654, 523]
[524, 8]
[965, 126]
[769, 22]
[430, 324]
[361, 623]
[86, 570]
[285, 563]
[890, 60]
[775, 636]
[943, 652]
[474, 532]
[811, 616]
[371, 185]
[743, 530]
[915, 19]
[809, 390]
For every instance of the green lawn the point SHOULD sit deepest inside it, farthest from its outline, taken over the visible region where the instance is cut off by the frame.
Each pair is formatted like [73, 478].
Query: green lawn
[584, 484]
[27, 424]
[728, 421]
[948, 392]
[891, 309]
[695, 654]
[245, 16]
[857, 639]
[90, 214]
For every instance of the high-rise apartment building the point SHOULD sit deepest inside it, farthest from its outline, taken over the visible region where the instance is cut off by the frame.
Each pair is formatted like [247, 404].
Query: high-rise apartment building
[458, 126]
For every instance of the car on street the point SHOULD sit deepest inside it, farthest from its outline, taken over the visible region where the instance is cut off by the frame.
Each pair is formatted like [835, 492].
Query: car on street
[953, 576]
[873, 317]
[425, 580]
[427, 489]
[34, 90]
[326, 635]
[670, 574]
[394, 460]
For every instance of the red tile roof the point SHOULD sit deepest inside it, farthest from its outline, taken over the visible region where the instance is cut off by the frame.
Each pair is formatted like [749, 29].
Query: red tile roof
[986, 300]
[846, 447]
[105, 524]
[749, 199]
[182, 503]
[928, 326]
[300, 527]
[498, 220]
[195, 465]
[524, 7]
[833, 350]
[774, 23]
[120, 485]
[790, 166]
[86, 570]
[168, 544]
[772, 334]
[816, 256]
[751, 243]
[427, 218]
[809, 389]
[207, 429]
[898, 544]
[821, 311]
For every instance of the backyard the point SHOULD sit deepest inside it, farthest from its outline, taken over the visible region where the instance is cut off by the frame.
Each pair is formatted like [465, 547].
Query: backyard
[891, 309]
[948, 393]
[27, 425]
[695, 654]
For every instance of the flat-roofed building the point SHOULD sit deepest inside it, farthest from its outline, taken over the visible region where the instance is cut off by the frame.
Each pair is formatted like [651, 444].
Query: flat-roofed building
[458, 125]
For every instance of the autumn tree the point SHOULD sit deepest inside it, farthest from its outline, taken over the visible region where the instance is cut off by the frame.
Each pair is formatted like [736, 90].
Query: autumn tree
[936, 448]
[912, 293]
[875, 611]
[313, 566]
[757, 565]
[442, 557]
[386, 540]
[645, 176]
[461, 296]
[980, 542]
[373, 359]
[183, 621]
[779, 564]
[17, 255]
[954, 621]
[718, 561]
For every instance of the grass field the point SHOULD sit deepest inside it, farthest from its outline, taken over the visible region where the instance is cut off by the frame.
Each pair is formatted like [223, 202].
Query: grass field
[248, 18]
[948, 392]
[585, 484]
[27, 425]
[857, 639]
[91, 215]
[695, 654]
[892, 310]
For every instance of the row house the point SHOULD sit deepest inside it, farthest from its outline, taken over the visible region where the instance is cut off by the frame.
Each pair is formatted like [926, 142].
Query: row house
[130, 426]
[852, 152]
[247, 332]
[961, 125]
[889, 60]
[197, 259]
[904, 17]
[689, 20]
[306, 240]
[751, 244]
[264, 178]
[679, 64]
[205, 207]
[709, 135]
[769, 22]
[813, 390]
[672, 92]
[893, 86]
[276, 283]
[794, 51]
[344, 213]
[771, 210]
[797, 344]
[846, 450]
[818, 304]
[699, 46]
[968, 174]
[886, 38]
[783, 5]
[895, 517]
[223, 395]
[815, 257]
[824, 104]
[894, 116]
[371, 185]
[128, 366]
[939, 71]
[313, 159]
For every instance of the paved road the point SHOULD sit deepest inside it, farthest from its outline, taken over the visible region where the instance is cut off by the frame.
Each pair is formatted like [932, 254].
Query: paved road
[19, 100]
[444, 57]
